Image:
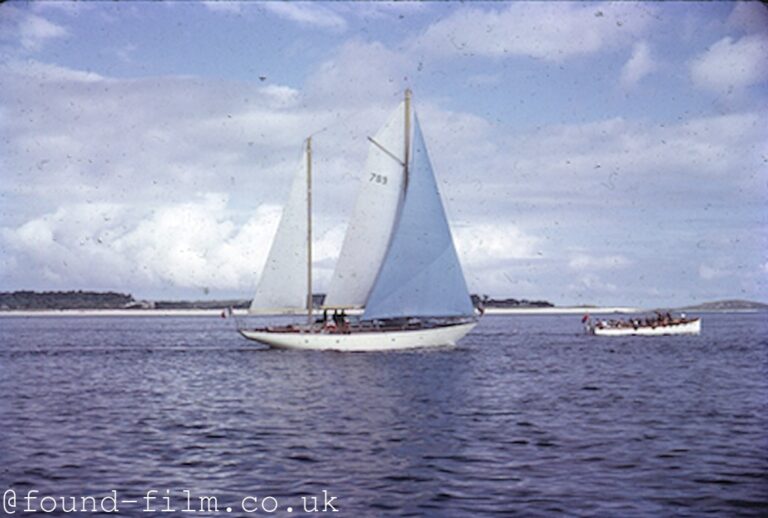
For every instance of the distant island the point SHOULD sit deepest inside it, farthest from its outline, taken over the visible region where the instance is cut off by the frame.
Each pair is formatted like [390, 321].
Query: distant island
[54, 300]
[488, 302]
[89, 300]
[727, 305]
[63, 300]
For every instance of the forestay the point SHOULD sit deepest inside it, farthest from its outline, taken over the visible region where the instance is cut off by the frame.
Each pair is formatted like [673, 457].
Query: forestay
[283, 284]
[370, 228]
[421, 275]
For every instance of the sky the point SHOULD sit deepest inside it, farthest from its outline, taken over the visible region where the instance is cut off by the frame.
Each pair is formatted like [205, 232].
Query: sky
[586, 153]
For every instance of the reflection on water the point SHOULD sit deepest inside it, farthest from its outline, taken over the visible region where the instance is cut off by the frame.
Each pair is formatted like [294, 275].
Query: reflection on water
[527, 416]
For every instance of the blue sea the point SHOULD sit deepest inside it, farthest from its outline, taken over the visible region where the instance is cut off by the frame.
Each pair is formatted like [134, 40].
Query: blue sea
[526, 417]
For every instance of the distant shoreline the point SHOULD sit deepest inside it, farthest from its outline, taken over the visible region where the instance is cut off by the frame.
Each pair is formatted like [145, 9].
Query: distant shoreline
[94, 303]
[243, 312]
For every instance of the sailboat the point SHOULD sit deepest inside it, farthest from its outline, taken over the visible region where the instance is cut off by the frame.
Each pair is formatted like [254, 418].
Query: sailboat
[397, 264]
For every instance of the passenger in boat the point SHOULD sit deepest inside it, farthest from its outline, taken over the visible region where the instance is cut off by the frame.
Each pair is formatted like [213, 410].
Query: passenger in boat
[343, 322]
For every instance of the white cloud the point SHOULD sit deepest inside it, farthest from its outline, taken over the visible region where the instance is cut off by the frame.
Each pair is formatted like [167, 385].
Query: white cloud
[484, 245]
[283, 96]
[27, 29]
[65, 245]
[193, 245]
[47, 72]
[551, 31]
[357, 73]
[607, 262]
[592, 286]
[81, 136]
[492, 254]
[709, 273]
[639, 65]
[731, 65]
[307, 13]
[125, 52]
[35, 31]
[615, 161]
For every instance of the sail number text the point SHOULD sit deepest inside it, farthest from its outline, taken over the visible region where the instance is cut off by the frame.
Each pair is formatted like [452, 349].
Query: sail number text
[378, 178]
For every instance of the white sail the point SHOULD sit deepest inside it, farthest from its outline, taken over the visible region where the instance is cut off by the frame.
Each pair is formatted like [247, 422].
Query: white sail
[421, 275]
[370, 227]
[283, 285]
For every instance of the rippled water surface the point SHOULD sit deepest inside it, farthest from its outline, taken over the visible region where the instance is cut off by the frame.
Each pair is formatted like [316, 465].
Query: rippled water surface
[526, 417]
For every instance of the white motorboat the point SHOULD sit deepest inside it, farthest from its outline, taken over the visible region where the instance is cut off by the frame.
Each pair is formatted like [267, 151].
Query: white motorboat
[674, 327]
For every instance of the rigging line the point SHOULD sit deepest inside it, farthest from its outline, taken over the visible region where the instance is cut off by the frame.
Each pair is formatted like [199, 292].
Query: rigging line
[389, 153]
[335, 123]
[344, 120]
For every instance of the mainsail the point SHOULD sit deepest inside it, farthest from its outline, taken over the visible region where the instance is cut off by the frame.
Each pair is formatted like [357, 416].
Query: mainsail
[370, 227]
[284, 284]
[421, 275]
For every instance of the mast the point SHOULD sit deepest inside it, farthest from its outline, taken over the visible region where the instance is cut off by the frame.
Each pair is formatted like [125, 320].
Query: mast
[309, 230]
[407, 154]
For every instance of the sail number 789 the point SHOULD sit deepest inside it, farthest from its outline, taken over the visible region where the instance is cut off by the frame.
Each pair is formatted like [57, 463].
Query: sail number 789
[378, 178]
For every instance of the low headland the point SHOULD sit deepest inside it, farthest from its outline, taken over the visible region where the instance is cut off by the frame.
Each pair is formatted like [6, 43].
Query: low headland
[86, 303]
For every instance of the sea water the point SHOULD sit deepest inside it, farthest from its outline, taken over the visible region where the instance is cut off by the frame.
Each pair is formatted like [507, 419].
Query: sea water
[527, 417]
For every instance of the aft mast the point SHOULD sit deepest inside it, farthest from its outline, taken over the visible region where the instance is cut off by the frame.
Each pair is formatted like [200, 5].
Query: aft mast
[375, 213]
[407, 148]
[309, 230]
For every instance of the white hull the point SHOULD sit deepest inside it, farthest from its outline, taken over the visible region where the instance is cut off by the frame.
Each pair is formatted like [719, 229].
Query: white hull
[362, 341]
[689, 328]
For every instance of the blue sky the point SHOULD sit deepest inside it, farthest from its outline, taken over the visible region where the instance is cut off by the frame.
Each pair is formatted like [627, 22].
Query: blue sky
[604, 153]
